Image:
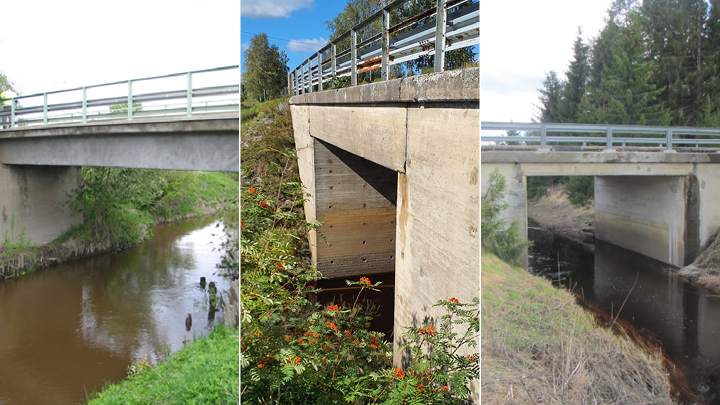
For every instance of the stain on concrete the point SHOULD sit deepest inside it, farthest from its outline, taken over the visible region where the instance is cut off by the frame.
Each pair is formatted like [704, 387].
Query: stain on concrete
[474, 176]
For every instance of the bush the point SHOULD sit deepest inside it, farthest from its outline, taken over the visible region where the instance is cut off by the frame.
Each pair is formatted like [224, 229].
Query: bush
[495, 234]
[580, 189]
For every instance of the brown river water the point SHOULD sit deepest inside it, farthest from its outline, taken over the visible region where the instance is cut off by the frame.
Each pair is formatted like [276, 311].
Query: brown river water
[67, 330]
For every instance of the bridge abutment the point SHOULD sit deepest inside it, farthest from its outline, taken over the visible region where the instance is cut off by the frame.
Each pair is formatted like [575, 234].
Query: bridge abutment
[652, 215]
[37, 197]
[421, 133]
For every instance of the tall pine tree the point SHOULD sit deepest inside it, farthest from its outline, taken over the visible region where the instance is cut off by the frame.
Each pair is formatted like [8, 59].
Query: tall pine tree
[550, 98]
[577, 78]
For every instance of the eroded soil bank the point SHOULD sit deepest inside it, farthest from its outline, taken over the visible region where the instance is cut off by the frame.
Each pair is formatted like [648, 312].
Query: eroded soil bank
[554, 211]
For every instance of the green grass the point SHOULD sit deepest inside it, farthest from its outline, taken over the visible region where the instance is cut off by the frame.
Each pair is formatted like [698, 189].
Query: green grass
[203, 372]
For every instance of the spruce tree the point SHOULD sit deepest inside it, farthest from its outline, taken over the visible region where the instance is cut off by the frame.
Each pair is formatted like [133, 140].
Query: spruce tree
[577, 78]
[550, 98]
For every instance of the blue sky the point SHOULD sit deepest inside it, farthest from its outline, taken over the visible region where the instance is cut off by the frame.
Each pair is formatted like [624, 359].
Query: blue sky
[295, 26]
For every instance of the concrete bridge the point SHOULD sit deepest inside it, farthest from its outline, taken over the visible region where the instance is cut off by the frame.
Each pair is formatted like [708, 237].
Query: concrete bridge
[44, 144]
[662, 205]
[393, 173]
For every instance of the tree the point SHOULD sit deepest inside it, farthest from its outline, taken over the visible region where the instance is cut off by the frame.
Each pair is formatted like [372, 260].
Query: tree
[625, 90]
[577, 78]
[674, 29]
[266, 69]
[550, 97]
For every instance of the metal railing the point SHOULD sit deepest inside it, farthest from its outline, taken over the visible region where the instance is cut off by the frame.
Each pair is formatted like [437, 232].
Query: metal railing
[181, 99]
[664, 136]
[454, 30]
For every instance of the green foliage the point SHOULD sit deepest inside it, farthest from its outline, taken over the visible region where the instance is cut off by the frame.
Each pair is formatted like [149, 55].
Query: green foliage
[294, 349]
[550, 97]
[495, 234]
[203, 372]
[266, 69]
[438, 374]
[119, 205]
[580, 189]
[123, 108]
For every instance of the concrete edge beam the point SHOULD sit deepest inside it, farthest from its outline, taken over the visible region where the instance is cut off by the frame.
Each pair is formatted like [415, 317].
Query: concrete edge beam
[450, 86]
[597, 157]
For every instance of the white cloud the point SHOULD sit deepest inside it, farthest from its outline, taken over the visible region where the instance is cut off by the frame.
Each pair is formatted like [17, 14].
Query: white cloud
[271, 8]
[306, 45]
[522, 40]
[244, 46]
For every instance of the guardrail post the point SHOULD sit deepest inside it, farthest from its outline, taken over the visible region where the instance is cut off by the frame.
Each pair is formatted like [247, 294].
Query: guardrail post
[319, 56]
[669, 139]
[289, 77]
[310, 85]
[385, 72]
[84, 105]
[45, 117]
[334, 63]
[297, 82]
[353, 58]
[609, 138]
[440, 30]
[189, 95]
[543, 137]
[302, 79]
[130, 98]
[12, 113]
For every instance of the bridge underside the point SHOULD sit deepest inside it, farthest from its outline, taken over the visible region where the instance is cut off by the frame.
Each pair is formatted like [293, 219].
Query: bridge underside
[204, 143]
[662, 205]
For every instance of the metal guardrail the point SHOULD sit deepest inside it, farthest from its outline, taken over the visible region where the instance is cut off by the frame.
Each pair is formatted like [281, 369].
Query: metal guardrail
[182, 102]
[455, 30]
[665, 136]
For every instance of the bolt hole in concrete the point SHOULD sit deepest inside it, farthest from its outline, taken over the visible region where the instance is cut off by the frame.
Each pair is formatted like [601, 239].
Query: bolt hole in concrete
[363, 242]
[364, 224]
[330, 171]
[364, 205]
[332, 262]
[331, 187]
[364, 260]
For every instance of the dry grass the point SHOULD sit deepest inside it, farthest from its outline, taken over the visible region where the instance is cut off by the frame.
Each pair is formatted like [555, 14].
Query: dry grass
[553, 211]
[540, 347]
[705, 270]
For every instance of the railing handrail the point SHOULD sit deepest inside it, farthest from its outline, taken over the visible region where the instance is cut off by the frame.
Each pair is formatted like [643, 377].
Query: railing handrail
[670, 133]
[299, 79]
[188, 94]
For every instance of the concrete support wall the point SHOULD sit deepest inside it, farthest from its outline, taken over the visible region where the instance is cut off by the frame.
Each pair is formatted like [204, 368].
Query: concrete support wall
[647, 215]
[708, 185]
[37, 196]
[438, 216]
[515, 193]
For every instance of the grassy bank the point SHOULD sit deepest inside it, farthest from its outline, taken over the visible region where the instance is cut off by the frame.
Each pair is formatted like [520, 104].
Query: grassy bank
[203, 372]
[539, 346]
[118, 207]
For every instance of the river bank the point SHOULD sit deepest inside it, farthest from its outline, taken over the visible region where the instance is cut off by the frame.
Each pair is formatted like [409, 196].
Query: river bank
[211, 193]
[538, 346]
[554, 211]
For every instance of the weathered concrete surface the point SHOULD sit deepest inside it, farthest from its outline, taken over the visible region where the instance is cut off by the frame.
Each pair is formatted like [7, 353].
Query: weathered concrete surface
[206, 143]
[37, 197]
[644, 214]
[708, 188]
[377, 134]
[454, 86]
[438, 231]
[426, 130]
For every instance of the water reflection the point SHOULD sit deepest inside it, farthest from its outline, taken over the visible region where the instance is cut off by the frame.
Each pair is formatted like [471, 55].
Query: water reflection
[684, 317]
[66, 330]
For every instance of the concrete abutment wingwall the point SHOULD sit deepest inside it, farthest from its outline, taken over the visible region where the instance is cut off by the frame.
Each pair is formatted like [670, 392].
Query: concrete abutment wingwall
[37, 196]
[415, 143]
